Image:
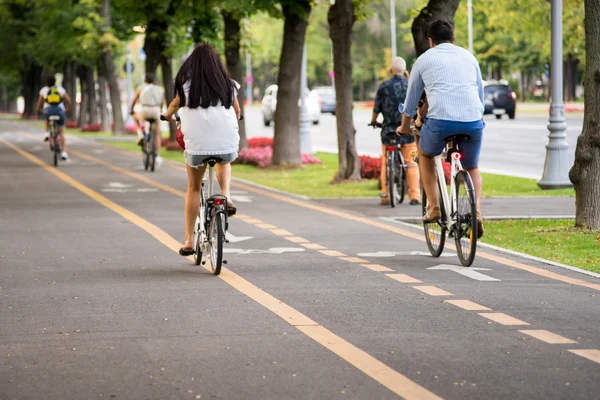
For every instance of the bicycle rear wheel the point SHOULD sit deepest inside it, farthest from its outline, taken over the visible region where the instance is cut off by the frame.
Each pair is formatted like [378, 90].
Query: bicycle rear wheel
[197, 242]
[465, 229]
[435, 232]
[400, 178]
[152, 155]
[146, 152]
[56, 146]
[391, 180]
[216, 240]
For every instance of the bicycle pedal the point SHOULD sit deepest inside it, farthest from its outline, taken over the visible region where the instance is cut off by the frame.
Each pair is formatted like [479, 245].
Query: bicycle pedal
[224, 261]
[226, 241]
[204, 262]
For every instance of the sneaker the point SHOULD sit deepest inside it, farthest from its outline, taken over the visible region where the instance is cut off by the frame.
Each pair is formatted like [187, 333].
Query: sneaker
[159, 161]
[432, 214]
[46, 136]
[480, 229]
[64, 156]
[415, 202]
[140, 140]
[385, 200]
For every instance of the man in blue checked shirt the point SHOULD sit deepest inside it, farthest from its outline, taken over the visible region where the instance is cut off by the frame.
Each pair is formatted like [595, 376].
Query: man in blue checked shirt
[451, 77]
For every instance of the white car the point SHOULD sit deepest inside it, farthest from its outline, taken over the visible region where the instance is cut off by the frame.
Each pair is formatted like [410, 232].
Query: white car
[269, 104]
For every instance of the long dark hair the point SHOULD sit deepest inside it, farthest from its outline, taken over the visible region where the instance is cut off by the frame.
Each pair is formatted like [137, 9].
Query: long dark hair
[209, 81]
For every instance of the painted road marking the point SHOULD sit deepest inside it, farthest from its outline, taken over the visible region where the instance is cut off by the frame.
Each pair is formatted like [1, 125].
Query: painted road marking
[241, 199]
[353, 259]
[420, 237]
[432, 290]
[402, 253]
[332, 253]
[402, 278]
[503, 319]
[547, 336]
[369, 365]
[590, 354]
[468, 305]
[236, 239]
[313, 246]
[281, 232]
[469, 272]
[253, 221]
[377, 267]
[274, 250]
[296, 239]
[266, 226]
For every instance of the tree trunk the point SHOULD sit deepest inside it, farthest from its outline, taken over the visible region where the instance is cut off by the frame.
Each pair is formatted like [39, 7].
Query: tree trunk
[570, 77]
[83, 116]
[154, 46]
[32, 83]
[92, 101]
[286, 146]
[524, 85]
[104, 115]
[341, 20]
[3, 100]
[585, 174]
[69, 83]
[111, 75]
[167, 75]
[434, 10]
[234, 64]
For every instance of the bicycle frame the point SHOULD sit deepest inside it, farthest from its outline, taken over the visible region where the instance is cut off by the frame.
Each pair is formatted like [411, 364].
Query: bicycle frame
[450, 201]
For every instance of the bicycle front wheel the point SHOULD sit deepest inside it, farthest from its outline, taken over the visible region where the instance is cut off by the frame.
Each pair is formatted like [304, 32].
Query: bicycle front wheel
[216, 241]
[465, 228]
[435, 232]
[400, 178]
[197, 242]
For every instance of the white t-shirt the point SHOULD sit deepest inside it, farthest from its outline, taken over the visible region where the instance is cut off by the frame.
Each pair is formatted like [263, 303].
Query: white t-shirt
[209, 131]
[151, 95]
[44, 93]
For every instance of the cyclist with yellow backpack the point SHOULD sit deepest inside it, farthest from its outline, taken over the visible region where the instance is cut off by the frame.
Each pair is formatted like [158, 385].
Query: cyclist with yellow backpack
[54, 100]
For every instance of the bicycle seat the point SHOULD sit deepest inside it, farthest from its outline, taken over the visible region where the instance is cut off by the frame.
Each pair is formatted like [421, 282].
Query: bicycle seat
[457, 138]
[212, 160]
[151, 120]
[54, 118]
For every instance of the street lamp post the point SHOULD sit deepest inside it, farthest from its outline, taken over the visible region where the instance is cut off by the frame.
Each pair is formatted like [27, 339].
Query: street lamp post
[393, 26]
[470, 13]
[305, 139]
[249, 78]
[556, 167]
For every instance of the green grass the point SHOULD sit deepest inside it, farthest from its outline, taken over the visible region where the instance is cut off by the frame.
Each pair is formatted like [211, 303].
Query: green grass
[313, 180]
[555, 240]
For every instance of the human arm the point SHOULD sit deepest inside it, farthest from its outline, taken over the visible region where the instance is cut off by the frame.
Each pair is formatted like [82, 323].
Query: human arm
[236, 108]
[415, 89]
[377, 107]
[135, 99]
[40, 104]
[173, 108]
[374, 117]
[68, 101]
[480, 84]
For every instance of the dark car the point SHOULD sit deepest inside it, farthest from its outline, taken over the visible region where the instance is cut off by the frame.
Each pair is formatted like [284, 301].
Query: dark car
[327, 95]
[499, 99]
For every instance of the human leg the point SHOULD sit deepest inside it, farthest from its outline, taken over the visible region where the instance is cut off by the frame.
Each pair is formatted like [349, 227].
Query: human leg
[192, 202]
[431, 145]
[412, 172]
[224, 178]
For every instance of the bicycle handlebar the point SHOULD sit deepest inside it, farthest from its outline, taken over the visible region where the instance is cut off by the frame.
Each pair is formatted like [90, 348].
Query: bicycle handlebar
[376, 124]
[178, 118]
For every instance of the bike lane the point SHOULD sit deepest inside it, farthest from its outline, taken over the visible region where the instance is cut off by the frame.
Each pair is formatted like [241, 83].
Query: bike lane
[434, 342]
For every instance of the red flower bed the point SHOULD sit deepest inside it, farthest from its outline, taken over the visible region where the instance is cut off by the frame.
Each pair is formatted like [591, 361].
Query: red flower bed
[370, 167]
[91, 128]
[262, 156]
[131, 129]
[72, 124]
[260, 142]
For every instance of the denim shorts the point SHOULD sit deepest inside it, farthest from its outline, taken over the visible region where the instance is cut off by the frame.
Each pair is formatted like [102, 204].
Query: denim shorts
[434, 132]
[198, 160]
[56, 110]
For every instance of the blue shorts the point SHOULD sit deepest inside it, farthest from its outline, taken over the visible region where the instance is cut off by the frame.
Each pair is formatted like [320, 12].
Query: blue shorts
[197, 160]
[56, 110]
[434, 132]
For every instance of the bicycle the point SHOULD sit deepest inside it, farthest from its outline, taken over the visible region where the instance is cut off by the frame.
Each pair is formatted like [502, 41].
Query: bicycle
[461, 222]
[53, 137]
[149, 146]
[396, 170]
[211, 224]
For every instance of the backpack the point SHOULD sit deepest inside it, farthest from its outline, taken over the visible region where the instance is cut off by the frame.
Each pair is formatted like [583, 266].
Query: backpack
[53, 97]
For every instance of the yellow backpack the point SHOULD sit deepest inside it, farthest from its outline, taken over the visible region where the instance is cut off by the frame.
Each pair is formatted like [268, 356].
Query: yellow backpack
[53, 98]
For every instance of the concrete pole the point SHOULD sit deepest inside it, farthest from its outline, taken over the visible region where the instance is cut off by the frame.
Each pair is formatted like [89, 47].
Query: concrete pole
[393, 26]
[249, 78]
[129, 68]
[305, 139]
[470, 13]
[556, 168]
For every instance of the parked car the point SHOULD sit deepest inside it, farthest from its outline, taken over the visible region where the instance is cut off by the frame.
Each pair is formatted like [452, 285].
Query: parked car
[499, 99]
[269, 105]
[327, 95]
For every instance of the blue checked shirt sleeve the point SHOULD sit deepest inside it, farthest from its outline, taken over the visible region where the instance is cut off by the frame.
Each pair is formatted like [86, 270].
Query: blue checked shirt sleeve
[415, 89]
[480, 84]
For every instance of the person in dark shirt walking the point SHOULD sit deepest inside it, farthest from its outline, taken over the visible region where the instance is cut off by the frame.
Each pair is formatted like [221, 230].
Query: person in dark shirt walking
[389, 96]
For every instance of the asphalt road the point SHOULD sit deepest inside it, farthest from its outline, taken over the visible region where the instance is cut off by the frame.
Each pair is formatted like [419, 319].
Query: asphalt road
[316, 302]
[510, 147]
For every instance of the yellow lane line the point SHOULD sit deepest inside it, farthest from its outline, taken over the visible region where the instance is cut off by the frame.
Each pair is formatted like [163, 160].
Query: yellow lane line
[266, 226]
[353, 259]
[313, 246]
[296, 239]
[369, 365]
[547, 336]
[432, 290]
[403, 232]
[281, 232]
[402, 278]
[468, 305]
[254, 221]
[590, 354]
[332, 253]
[377, 267]
[503, 319]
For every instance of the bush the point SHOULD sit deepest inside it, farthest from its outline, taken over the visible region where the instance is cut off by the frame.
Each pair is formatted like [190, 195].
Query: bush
[72, 124]
[262, 156]
[91, 128]
[260, 142]
[370, 167]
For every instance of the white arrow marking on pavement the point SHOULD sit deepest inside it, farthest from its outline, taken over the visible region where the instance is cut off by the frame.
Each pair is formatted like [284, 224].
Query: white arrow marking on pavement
[401, 253]
[118, 185]
[241, 199]
[236, 239]
[146, 190]
[468, 272]
[274, 250]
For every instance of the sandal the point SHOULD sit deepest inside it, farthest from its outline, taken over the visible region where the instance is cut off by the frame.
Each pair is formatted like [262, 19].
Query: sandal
[186, 251]
[231, 209]
[433, 214]
[479, 225]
